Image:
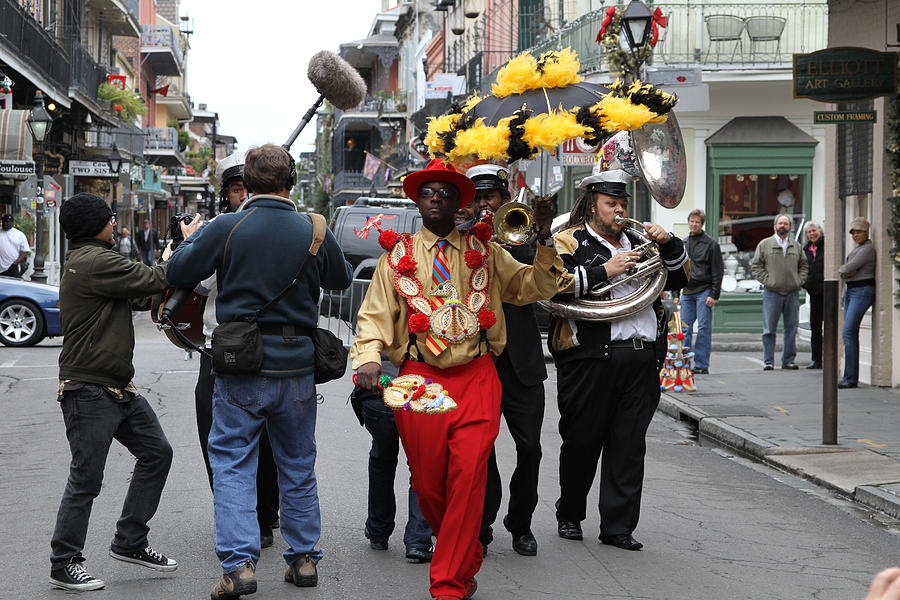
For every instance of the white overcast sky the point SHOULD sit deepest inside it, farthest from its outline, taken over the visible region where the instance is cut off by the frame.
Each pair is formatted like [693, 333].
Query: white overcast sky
[248, 60]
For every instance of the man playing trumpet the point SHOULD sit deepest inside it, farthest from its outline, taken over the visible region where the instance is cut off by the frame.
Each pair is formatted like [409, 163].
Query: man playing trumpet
[608, 371]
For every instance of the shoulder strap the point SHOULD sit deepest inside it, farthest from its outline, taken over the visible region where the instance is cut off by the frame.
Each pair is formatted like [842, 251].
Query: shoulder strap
[318, 236]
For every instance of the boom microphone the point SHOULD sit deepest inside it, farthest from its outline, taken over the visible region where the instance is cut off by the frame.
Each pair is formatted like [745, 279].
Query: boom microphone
[336, 80]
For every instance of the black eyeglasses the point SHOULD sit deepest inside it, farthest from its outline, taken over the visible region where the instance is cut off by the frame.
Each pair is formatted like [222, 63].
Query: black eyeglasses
[445, 193]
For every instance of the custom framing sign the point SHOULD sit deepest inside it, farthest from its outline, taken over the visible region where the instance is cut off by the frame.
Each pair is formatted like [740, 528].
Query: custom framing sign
[845, 74]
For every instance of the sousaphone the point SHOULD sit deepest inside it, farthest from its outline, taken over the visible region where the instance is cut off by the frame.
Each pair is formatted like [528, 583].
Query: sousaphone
[657, 156]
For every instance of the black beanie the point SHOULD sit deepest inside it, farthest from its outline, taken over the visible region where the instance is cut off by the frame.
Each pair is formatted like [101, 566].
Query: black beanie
[84, 216]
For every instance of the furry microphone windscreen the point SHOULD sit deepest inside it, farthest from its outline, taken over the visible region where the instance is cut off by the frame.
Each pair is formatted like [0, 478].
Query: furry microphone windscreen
[336, 79]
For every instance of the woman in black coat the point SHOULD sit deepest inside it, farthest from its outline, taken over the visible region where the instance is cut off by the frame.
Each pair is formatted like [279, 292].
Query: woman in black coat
[815, 256]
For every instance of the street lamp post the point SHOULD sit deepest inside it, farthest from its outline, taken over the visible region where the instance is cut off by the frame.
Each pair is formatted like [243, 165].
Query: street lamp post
[39, 122]
[636, 23]
[114, 162]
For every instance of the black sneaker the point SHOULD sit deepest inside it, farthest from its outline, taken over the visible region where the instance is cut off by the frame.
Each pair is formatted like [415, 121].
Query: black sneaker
[73, 577]
[768, 366]
[148, 557]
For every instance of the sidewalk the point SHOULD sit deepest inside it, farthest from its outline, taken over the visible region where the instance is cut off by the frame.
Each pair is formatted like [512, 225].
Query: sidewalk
[776, 417]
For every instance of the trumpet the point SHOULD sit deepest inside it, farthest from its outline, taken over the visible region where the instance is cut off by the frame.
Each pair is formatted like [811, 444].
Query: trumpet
[514, 222]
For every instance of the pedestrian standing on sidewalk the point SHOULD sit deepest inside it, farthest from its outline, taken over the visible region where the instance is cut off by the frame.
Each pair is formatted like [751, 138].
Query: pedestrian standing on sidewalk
[779, 264]
[815, 257]
[858, 274]
[607, 371]
[257, 254]
[232, 193]
[14, 248]
[448, 452]
[125, 245]
[378, 420]
[522, 373]
[97, 293]
[702, 290]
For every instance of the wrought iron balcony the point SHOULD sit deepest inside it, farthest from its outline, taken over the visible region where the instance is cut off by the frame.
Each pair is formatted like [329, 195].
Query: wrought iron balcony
[31, 47]
[178, 103]
[161, 147]
[86, 74]
[375, 105]
[351, 180]
[161, 48]
[121, 17]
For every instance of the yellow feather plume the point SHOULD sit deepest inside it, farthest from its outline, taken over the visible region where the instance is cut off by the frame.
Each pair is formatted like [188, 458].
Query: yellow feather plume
[618, 114]
[439, 125]
[560, 68]
[549, 130]
[470, 103]
[518, 75]
[481, 140]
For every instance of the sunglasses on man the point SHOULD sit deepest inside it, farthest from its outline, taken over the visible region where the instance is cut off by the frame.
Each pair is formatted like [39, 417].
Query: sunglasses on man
[444, 193]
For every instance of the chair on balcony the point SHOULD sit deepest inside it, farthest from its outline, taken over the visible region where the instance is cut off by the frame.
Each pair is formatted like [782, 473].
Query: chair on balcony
[661, 46]
[765, 29]
[725, 28]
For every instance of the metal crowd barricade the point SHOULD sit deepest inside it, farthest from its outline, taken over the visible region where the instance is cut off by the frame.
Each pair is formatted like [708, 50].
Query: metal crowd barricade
[338, 310]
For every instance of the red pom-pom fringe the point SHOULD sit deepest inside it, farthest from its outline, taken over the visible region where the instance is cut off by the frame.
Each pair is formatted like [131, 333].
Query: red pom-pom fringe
[474, 259]
[388, 238]
[486, 319]
[482, 231]
[406, 266]
[418, 323]
[679, 336]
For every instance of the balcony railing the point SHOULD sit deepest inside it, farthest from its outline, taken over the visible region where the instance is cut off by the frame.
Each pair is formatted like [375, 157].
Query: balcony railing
[351, 180]
[380, 105]
[128, 138]
[160, 138]
[157, 39]
[31, 44]
[87, 75]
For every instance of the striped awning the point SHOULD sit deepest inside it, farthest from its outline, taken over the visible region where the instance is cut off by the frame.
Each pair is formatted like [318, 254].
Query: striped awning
[15, 138]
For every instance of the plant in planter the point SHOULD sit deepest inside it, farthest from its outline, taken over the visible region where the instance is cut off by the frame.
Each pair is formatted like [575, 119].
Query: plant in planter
[127, 103]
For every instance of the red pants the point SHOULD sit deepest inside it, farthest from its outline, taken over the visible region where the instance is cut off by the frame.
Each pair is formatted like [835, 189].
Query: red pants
[448, 458]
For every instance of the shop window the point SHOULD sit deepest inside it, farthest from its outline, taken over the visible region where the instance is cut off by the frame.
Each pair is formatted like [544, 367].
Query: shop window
[747, 209]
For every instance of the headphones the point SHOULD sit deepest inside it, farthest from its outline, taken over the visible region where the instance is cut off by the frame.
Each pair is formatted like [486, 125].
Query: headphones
[292, 176]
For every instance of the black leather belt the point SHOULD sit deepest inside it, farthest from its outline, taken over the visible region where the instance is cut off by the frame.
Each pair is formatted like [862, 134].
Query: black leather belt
[285, 330]
[632, 344]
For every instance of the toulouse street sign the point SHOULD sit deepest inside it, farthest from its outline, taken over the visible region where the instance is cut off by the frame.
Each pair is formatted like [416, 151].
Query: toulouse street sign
[845, 74]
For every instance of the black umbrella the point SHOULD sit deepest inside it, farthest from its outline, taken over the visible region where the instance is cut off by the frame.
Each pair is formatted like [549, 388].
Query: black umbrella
[541, 100]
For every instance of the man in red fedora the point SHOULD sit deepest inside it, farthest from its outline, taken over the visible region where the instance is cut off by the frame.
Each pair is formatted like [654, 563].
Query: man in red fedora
[435, 308]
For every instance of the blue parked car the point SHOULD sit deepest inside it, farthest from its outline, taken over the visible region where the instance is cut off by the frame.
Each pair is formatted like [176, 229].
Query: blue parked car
[29, 312]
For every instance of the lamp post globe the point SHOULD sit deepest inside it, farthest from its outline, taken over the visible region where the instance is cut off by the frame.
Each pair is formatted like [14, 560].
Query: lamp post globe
[39, 123]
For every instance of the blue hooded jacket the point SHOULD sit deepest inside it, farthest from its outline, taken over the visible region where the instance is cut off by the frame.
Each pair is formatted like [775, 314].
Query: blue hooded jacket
[255, 253]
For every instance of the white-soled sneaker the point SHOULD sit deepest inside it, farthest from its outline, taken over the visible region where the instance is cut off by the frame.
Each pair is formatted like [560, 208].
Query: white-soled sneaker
[74, 577]
[148, 557]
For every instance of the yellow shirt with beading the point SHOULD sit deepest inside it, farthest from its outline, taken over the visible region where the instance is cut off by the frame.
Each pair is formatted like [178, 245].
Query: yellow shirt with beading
[383, 316]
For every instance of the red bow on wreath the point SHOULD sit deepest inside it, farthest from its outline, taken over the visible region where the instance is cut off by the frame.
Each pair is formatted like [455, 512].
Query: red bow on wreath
[610, 12]
[658, 21]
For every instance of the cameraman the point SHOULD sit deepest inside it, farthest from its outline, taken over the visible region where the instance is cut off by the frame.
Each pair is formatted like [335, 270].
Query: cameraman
[256, 253]
[98, 291]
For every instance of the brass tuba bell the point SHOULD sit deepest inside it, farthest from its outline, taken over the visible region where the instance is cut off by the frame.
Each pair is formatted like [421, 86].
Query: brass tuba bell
[514, 223]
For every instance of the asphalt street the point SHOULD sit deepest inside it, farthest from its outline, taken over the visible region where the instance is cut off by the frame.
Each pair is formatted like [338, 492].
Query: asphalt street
[714, 526]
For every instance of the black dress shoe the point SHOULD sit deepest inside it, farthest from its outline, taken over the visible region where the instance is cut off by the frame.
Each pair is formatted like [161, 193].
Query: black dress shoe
[700, 371]
[621, 540]
[846, 384]
[569, 530]
[376, 543]
[790, 366]
[523, 541]
[418, 555]
[814, 365]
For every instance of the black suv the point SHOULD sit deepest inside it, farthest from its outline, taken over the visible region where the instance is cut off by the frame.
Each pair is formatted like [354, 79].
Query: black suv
[363, 254]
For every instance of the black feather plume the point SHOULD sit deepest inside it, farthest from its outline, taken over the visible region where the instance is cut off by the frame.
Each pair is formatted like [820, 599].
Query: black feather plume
[519, 148]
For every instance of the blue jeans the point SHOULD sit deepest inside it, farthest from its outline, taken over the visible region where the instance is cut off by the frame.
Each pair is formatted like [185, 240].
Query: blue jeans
[856, 302]
[694, 308]
[776, 305]
[379, 421]
[286, 407]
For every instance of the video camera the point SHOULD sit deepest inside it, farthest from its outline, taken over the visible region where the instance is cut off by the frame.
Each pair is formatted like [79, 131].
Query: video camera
[174, 231]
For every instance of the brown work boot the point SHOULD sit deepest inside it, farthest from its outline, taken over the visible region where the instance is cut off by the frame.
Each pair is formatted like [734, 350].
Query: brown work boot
[234, 584]
[302, 572]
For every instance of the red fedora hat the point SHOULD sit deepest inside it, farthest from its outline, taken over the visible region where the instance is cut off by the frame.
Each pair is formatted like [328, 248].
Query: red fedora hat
[436, 170]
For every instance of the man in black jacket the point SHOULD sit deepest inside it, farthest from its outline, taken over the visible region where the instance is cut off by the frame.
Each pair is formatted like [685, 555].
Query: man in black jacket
[608, 371]
[147, 240]
[99, 289]
[702, 290]
[522, 373]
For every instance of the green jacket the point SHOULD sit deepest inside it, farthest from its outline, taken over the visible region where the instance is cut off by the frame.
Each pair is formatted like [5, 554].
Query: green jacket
[96, 297]
[779, 272]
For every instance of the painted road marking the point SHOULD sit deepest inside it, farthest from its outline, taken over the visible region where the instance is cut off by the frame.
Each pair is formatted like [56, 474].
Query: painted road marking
[779, 409]
[755, 361]
[871, 443]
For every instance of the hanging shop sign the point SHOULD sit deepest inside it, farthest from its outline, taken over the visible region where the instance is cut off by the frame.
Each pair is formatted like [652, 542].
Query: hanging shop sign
[577, 153]
[16, 167]
[93, 168]
[845, 74]
[844, 116]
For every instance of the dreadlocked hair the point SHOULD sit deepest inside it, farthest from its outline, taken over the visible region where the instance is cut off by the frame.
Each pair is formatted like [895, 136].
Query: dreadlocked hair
[581, 210]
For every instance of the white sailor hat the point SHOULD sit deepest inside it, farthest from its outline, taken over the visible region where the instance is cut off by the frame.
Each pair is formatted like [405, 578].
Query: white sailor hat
[611, 183]
[489, 177]
[229, 167]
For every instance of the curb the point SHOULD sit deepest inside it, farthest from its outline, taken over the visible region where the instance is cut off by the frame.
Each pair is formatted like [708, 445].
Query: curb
[884, 498]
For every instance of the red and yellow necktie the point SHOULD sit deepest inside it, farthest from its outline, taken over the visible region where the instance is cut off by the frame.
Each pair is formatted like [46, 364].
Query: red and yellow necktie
[440, 273]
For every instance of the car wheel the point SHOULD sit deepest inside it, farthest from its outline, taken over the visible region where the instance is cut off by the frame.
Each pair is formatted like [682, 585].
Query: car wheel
[21, 323]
